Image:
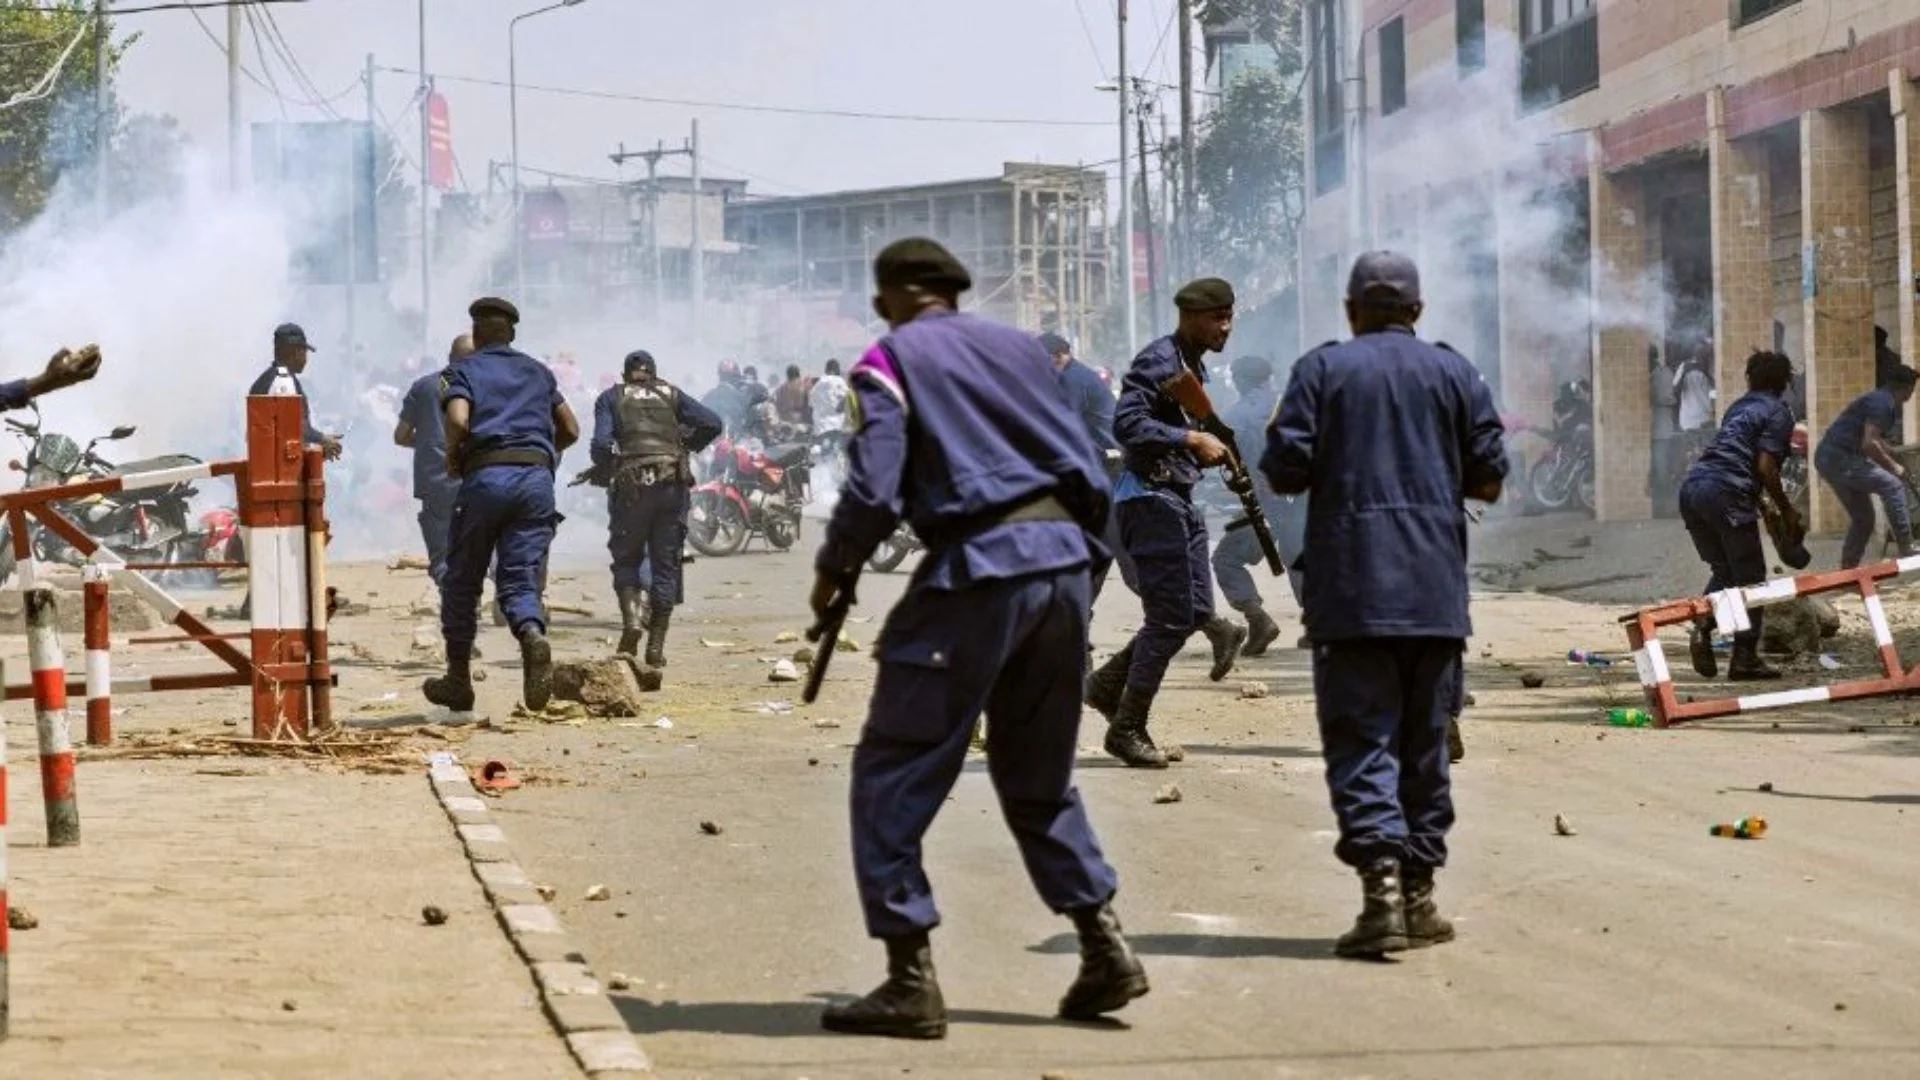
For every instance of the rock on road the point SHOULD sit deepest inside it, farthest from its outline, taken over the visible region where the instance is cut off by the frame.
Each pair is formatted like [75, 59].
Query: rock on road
[1640, 946]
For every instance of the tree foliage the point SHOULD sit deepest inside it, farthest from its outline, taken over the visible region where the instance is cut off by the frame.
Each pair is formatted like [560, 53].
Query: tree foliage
[43, 139]
[1250, 162]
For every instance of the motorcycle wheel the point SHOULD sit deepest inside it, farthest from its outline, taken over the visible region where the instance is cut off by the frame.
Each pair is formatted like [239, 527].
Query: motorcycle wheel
[716, 527]
[889, 555]
[7, 562]
[1548, 487]
[783, 530]
[1585, 487]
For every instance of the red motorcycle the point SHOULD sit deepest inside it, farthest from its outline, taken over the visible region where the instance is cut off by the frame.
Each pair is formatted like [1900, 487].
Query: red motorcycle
[750, 493]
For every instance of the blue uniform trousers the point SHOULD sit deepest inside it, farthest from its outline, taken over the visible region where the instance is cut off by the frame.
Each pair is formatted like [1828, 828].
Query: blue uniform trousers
[1855, 480]
[1167, 538]
[1726, 533]
[1015, 649]
[436, 528]
[504, 516]
[647, 535]
[1383, 705]
[1123, 562]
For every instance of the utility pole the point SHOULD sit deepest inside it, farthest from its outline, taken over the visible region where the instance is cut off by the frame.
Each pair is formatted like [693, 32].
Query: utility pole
[102, 108]
[1354, 79]
[1146, 210]
[1189, 258]
[1167, 180]
[699, 247]
[426, 178]
[233, 96]
[1126, 195]
[652, 158]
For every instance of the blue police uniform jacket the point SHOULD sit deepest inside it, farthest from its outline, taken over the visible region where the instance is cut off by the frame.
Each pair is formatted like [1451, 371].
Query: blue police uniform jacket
[1248, 418]
[1090, 400]
[699, 425]
[958, 422]
[13, 395]
[1758, 422]
[1848, 433]
[422, 411]
[1387, 432]
[1150, 426]
[512, 397]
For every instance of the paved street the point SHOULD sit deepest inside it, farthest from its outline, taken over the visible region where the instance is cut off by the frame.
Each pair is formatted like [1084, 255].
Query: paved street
[1639, 946]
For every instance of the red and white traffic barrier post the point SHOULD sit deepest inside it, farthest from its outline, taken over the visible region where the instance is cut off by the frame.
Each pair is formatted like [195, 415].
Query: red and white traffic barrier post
[273, 513]
[319, 672]
[99, 657]
[50, 714]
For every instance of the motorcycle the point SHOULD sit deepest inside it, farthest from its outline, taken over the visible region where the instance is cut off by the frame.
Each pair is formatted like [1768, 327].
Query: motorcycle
[895, 549]
[1793, 471]
[142, 526]
[750, 493]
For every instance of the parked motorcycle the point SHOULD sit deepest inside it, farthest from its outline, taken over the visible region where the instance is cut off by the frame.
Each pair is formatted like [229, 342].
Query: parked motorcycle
[895, 549]
[1793, 471]
[142, 526]
[750, 493]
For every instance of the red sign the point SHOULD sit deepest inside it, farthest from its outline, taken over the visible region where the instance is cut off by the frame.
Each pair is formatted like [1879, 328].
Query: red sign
[440, 166]
[546, 217]
[1141, 242]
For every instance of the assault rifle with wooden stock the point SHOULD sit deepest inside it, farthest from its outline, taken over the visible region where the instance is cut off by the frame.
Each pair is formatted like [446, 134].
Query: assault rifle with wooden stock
[1185, 388]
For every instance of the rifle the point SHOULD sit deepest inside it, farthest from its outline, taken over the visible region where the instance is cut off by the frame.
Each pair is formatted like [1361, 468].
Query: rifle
[826, 633]
[596, 475]
[1185, 388]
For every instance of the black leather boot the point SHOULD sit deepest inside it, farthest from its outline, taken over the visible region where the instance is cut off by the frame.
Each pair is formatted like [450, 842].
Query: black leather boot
[657, 638]
[1425, 925]
[1110, 975]
[632, 621]
[1104, 686]
[1227, 638]
[1382, 925]
[907, 1006]
[1262, 631]
[1746, 665]
[1127, 737]
[454, 690]
[536, 667]
[1700, 651]
[1456, 746]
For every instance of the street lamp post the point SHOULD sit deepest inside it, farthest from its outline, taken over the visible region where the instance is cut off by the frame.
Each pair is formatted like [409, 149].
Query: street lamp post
[513, 109]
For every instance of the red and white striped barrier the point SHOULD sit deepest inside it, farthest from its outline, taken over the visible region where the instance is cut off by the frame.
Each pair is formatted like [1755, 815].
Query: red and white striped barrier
[57, 781]
[1731, 612]
[97, 625]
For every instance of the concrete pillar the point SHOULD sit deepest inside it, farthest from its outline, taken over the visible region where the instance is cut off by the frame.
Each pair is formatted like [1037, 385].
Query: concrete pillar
[1906, 141]
[1622, 407]
[1742, 265]
[1836, 274]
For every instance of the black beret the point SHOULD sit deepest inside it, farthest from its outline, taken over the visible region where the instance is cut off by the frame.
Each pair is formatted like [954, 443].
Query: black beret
[640, 358]
[1207, 294]
[922, 262]
[493, 305]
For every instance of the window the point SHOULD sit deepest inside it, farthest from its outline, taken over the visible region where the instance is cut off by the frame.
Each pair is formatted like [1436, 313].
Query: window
[1470, 34]
[1393, 67]
[1560, 51]
[1329, 119]
[1746, 11]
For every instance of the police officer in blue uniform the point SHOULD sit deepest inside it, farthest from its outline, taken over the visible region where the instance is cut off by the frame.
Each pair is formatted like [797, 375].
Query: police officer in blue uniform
[961, 429]
[1089, 398]
[422, 429]
[1161, 528]
[1855, 460]
[1390, 434]
[1719, 504]
[1240, 549]
[507, 425]
[643, 431]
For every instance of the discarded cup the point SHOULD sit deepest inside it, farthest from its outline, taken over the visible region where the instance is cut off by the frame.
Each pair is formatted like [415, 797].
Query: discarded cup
[1747, 828]
[1630, 718]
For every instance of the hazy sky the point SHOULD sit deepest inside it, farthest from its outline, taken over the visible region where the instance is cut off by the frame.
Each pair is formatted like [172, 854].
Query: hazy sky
[1024, 59]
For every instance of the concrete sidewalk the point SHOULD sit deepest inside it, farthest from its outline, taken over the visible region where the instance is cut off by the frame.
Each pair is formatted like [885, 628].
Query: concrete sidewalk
[242, 918]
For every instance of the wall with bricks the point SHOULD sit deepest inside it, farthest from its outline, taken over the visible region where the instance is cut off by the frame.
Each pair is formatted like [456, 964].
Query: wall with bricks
[1838, 246]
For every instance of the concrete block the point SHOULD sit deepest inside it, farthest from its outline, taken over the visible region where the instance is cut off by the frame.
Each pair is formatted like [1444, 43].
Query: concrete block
[547, 949]
[481, 851]
[484, 834]
[512, 895]
[566, 978]
[470, 817]
[529, 919]
[459, 804]
[609, 1055]
[507, 873]
[578, 1012]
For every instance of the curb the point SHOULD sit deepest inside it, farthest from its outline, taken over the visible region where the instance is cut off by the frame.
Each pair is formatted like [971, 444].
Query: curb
[574, 999]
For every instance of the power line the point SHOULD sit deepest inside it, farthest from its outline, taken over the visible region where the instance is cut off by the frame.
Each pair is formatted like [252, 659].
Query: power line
[849, 114]
[1086, 28]
[256, 80]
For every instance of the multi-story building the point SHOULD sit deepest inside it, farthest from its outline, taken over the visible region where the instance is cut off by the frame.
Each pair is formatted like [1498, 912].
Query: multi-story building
[1035, 239]
[1588, 180]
